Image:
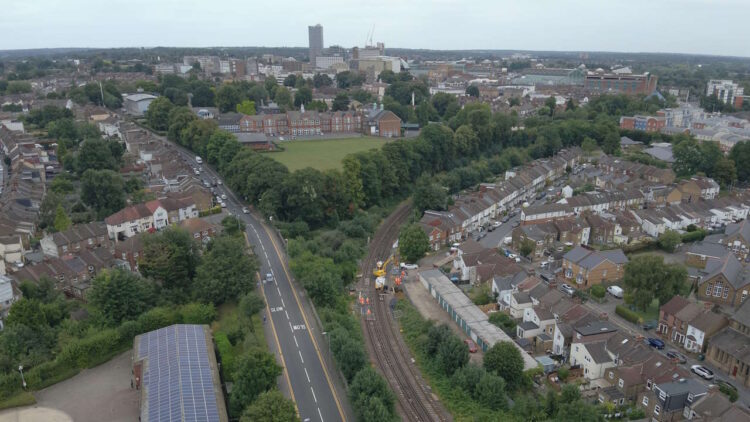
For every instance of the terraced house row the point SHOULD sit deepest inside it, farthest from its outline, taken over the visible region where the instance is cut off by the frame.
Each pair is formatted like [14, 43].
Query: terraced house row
[473, 210]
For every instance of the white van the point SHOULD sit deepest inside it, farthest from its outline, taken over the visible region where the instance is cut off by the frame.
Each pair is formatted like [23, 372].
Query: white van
[615, 291]
[198, 160]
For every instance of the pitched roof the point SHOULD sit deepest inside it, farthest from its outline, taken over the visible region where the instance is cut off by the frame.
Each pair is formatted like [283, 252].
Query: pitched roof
[591, 259]
[133, 212]
[598, 352]
[742, 314]
[674, 305]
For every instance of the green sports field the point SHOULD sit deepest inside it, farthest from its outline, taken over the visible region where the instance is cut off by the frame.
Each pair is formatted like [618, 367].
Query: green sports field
[322, 154]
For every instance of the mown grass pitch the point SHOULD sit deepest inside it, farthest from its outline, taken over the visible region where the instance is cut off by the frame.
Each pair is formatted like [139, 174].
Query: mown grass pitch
[322, 154]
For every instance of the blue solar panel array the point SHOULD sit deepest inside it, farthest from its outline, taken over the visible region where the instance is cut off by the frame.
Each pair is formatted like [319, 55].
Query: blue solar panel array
[178, 380]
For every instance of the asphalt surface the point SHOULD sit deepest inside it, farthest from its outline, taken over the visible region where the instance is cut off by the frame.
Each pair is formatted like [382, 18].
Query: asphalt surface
[308, 379]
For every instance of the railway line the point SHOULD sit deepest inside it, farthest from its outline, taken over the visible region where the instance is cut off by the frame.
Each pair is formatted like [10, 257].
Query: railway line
[384, 342]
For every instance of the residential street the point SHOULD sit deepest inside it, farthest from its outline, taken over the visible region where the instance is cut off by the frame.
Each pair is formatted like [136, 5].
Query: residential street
[609, 307]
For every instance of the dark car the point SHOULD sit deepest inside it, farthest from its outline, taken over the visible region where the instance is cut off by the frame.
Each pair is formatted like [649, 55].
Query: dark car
[725, 384]
[655, 342]
[649, 325]
[676, 357]
[506, 219]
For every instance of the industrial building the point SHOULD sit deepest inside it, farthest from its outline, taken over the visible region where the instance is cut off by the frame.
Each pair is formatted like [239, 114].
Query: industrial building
[468, 316]
[176, 372]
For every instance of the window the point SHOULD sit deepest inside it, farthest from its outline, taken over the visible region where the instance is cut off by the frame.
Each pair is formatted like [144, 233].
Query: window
[744, 296]
[726, 292]
[662, 395]
[657, 409]
[690, 397]
[717, 288]
[621, 383]
[648, 384]
[708, 289]
[645, 401]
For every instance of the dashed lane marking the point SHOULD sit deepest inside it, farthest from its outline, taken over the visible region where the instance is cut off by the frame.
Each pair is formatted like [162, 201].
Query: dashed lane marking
[303, 361]
[308, 375]
[313, 391]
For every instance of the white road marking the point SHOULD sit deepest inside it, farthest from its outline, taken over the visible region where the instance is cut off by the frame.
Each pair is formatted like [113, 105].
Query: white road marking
[287, 314]
[278, 290]
[321, 415]
[308, 375]
[313, 391]
[303, 361]
[295, 342]
[290, 327]
[282, 302]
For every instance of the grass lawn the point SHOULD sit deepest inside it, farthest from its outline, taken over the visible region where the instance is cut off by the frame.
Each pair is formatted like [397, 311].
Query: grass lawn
[652, 313]
[322, 154]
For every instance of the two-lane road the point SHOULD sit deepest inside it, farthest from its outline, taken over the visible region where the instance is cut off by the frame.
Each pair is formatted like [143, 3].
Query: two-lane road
[305, 373]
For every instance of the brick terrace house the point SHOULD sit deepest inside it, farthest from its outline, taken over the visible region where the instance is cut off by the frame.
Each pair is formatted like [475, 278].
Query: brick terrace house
[587, 268]
[737, 237]
[729, 350]
[633, 379]
[78, 237]
[667, 401]
[674, 317]
[697, 188]
[723, 282]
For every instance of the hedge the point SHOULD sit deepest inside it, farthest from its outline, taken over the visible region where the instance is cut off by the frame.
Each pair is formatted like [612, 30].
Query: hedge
[693, 236]
[210, 211]
[226, 355]
[626, 313]
[598, 291]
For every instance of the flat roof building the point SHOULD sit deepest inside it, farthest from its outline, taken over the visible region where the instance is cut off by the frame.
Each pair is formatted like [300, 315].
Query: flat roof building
[468, 316]
[175, 368]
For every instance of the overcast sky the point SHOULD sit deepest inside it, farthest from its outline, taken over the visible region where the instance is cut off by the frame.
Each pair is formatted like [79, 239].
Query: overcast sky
[718, 27]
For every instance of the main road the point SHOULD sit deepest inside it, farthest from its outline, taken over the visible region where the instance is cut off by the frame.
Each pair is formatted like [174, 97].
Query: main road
[309, 381]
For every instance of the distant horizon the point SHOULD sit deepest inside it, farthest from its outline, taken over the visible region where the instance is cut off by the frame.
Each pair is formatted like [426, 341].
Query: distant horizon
[475, 50]
[692, 27]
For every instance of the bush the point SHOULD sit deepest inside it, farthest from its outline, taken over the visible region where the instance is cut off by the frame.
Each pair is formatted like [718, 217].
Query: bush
[198, 313]
[598, 291]
[636, 414]
[627, 314]
[563, 373]
[730, 392]
[693, 236]
[210, 211]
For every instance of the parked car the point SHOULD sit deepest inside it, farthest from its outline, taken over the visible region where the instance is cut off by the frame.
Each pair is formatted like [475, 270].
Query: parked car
[506, 219]
[567, 288]
[223, 204]
[615, 291]
[219, 182]
[702, 372]
[405, 266]
[649, 325]
[655, 342]
[224, 196]
[245, 210]
[496, 224]
[676, 356]
[516, 224]
[472, 345]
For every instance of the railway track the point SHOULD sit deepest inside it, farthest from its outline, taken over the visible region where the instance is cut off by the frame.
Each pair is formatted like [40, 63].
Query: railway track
[384, 340]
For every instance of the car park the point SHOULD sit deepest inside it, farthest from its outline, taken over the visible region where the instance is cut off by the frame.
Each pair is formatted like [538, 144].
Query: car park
[702, 372]
[655, 343]
[472, 346]
[567, 289]
[676, 356]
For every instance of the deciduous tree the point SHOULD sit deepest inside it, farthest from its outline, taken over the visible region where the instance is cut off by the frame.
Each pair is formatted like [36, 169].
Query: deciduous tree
[157, 114]
[270, 406]
[505, 360]
[413, 243]
[121, 295]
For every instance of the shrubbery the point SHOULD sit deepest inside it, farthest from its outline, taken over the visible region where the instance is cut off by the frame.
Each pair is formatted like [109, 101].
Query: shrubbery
[627, 314]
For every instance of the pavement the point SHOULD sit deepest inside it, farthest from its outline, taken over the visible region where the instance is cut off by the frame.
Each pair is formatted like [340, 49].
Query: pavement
[101, 393]
[310, 377]
[609, 307]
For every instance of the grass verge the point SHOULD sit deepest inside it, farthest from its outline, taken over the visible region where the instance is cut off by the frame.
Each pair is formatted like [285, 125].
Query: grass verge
[23, 398]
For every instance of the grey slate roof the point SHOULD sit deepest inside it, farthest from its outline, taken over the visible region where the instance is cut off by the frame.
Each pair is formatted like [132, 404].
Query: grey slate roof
[598, 352]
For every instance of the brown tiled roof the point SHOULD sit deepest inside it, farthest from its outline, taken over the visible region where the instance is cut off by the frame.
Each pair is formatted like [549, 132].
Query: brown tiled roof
[674, 305]
[133, 212]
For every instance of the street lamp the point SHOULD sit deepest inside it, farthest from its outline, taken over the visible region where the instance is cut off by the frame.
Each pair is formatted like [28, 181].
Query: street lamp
[23, 380]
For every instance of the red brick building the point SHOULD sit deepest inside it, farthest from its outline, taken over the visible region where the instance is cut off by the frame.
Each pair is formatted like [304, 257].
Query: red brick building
[644, 123]
[621, 83]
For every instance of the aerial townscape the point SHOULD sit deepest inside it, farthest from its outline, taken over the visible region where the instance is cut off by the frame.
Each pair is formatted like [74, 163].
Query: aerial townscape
[411, 229]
